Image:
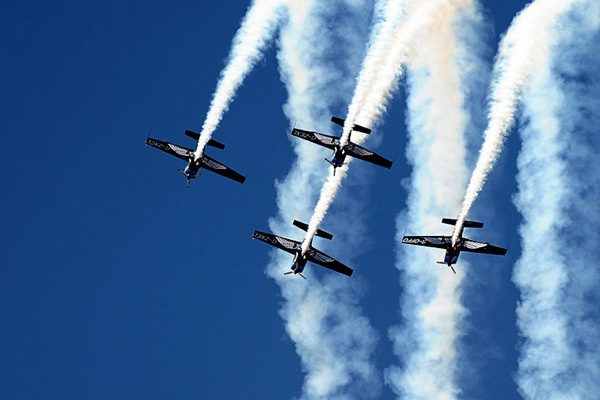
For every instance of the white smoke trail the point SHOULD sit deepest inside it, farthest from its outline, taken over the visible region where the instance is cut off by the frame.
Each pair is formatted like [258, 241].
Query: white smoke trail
[378, 59]
[390, 49]
[559, 187]
[431, 305]
[322, 317]
[522, 52]
[261, 20]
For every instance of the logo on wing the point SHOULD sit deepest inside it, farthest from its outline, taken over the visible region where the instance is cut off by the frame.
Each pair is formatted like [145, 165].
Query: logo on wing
[326, 139]
[361, 151]
[179, 150]
[213, 164]
[303, 134]
[265, 238]
[473, 245]
[289, 244]
[414, 240]
[324, 258]
[158, 145]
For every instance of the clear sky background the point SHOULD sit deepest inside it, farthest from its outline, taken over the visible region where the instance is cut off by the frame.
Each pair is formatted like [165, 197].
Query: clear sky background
[117, 282]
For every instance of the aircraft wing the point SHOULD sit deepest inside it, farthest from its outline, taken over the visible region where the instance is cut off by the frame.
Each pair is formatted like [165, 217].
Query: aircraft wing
[178, 151]
[440, 242]
[318, 138]
[322, 259]
[480, 247]
[213, 165]
[360, 152]
[285, 244]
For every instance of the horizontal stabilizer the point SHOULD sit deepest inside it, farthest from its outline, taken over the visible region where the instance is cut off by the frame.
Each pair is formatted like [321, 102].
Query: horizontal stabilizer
[337, 120]
[320, 233]
[466, 224]
[215, 144]
[193, 135]
[212, 143]
[357, 128]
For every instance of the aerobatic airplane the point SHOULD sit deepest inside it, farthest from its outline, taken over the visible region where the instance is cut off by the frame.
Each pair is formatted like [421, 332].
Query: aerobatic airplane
[192, 169]
[462, 244]
[340, 152]
[295, 247]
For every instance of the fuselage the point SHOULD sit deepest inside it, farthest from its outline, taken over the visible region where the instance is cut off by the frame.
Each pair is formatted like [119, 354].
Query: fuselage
[299, 263]
[451, 256]
[191, 169]
[300, 260]
[452, 252]
[338, 157]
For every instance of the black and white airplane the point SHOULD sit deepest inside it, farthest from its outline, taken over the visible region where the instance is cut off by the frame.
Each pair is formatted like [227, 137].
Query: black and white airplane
[192, 169]
[340, 152]
[462, 244]
[295, 247]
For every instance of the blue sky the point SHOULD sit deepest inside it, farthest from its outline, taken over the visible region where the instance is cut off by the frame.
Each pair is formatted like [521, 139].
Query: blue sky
[117, 282]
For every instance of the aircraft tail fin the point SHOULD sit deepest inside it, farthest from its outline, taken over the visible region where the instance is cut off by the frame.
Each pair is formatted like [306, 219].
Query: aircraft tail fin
[357, 128]
[467, 224]
[320, 233]
[211, 142]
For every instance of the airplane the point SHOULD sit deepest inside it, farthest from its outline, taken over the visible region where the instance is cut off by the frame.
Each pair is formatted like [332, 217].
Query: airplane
[340, 152]
[295, 247]
[462, 244]
[192, 169]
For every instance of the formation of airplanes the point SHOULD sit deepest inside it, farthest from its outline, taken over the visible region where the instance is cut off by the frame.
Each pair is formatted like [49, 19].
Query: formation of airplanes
[340, 152]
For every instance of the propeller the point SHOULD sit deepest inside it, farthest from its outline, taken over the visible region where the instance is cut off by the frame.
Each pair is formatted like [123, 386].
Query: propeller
[187, 177]
[333, 165]
[293, 272]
